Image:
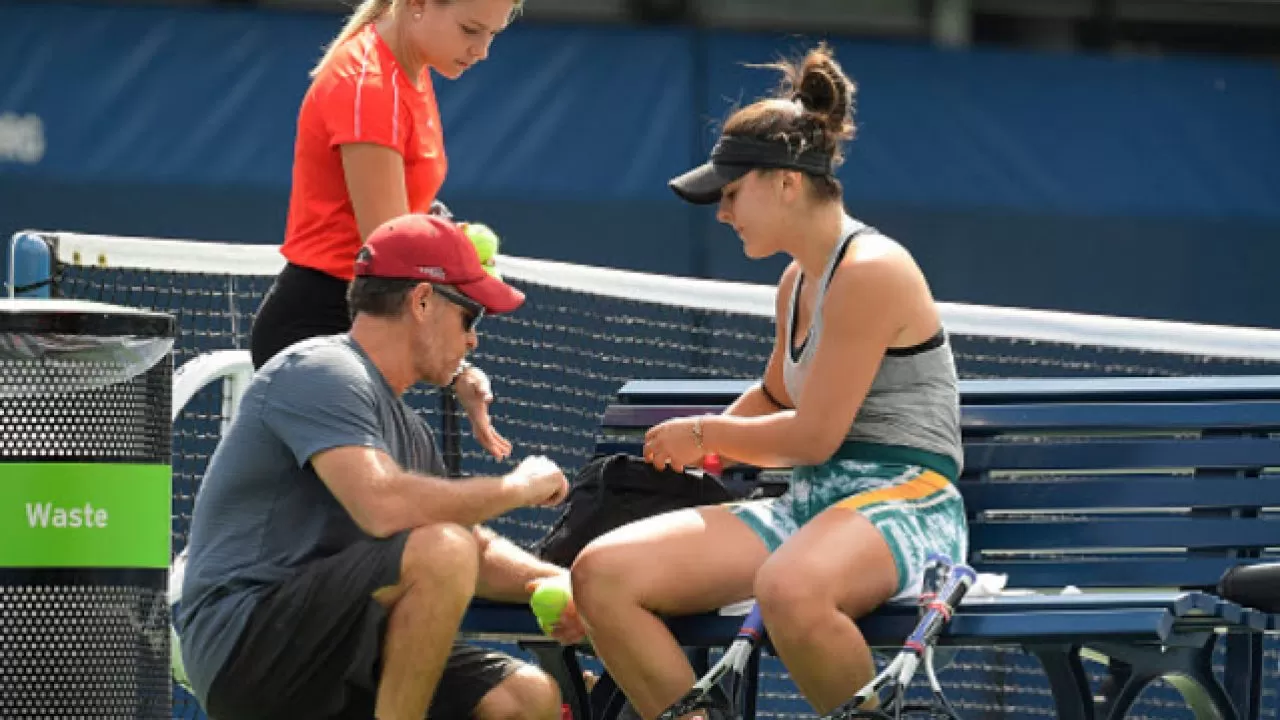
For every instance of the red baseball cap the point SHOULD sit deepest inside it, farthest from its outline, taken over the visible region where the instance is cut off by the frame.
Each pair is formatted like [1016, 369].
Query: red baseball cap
[433, 249]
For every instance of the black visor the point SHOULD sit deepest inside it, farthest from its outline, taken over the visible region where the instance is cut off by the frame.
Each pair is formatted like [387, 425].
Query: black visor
[734, 157]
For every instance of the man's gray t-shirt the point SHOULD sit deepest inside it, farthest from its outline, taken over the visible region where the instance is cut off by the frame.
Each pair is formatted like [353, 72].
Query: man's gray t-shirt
[262, 512]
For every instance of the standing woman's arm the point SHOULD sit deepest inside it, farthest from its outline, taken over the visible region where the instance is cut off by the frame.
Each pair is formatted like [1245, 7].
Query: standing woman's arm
[375, 183]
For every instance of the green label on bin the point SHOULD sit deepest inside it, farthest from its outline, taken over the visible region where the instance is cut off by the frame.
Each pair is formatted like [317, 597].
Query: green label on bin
[84, 515]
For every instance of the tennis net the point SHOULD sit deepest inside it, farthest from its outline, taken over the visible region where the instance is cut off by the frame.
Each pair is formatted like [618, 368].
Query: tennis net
[558, 361]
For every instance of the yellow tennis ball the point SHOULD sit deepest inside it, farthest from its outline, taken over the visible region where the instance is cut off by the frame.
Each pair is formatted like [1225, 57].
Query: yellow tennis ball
[486, 243]
[548, 602]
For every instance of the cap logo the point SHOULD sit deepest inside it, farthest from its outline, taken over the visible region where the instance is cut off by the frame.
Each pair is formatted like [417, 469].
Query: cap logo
[434, 273]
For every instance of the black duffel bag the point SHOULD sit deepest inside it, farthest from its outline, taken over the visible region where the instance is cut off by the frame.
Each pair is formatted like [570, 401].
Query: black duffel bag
[613, 490]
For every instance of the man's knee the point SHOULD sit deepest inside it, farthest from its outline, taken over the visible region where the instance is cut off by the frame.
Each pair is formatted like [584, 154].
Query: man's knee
[445, 555]
[527, 694]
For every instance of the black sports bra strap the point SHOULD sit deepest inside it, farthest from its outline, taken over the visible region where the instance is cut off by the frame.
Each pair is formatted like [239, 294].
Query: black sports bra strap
[844, 248]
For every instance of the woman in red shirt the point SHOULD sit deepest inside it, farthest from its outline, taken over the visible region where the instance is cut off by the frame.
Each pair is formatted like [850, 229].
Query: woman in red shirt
[370, 148]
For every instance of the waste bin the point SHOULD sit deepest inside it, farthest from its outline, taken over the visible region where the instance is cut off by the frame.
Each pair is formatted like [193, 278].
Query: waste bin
[85, 530]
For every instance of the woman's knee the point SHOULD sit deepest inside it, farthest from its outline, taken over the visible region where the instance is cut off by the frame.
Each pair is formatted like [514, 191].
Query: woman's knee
[600, 576]
[527, 694]
[680, 562]
[788, 592]
[801, 597]
[612, 568]
[443, 554]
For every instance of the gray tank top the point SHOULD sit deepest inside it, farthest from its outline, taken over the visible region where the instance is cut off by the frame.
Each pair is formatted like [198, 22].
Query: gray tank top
[914, 399]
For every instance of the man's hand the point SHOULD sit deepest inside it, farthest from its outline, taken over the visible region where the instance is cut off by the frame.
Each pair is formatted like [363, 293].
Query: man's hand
[539, 482]
[474, 393]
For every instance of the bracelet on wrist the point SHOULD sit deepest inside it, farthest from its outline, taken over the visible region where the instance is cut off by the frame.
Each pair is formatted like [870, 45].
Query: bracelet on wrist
[697, 432]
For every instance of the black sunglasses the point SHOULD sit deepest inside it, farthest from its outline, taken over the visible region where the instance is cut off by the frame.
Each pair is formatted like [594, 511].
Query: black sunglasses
[472, 311]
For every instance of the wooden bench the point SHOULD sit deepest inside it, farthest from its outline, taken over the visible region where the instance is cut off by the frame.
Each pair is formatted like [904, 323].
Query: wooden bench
[1139, 492]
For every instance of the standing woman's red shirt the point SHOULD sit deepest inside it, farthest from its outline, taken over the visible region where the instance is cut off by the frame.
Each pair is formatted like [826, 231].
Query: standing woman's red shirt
[360, 96]
[369, 148]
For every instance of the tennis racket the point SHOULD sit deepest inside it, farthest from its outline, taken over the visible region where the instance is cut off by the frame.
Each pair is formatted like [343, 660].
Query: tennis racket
[709, 693]
[917, 650]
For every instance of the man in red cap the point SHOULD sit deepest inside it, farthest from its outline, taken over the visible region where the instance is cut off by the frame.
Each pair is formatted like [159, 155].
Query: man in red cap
[331, 560]
[478, 290]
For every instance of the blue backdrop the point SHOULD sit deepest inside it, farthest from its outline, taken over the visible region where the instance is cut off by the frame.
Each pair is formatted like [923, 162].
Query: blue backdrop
[1134, 186]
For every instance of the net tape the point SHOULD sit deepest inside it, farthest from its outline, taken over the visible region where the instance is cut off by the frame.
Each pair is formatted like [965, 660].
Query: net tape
[210, 258]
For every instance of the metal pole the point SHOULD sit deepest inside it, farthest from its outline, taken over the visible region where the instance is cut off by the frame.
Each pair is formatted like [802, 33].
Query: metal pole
[451, 432]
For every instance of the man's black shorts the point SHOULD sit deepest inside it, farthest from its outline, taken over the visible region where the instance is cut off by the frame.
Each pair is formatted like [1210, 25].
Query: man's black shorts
[313, 648]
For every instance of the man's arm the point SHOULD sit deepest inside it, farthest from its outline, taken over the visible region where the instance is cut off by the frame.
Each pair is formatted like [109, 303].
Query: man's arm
[325, 412]
[384, 499]
[506, 570]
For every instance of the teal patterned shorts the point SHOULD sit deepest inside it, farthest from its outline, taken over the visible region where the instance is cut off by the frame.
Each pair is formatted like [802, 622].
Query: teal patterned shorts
[917, 509]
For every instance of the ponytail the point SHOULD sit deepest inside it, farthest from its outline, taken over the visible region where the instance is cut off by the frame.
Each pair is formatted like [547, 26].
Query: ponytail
[367, 12]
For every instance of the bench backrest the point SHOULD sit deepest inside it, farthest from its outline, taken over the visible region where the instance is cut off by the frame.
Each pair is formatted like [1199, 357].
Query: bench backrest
[1152, 482]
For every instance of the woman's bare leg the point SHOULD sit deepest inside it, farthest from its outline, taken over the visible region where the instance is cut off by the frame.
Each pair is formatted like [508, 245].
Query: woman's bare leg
[684, 562]
[836, 568]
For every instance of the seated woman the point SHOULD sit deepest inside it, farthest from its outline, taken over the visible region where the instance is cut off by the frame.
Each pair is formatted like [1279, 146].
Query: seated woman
[859, 397]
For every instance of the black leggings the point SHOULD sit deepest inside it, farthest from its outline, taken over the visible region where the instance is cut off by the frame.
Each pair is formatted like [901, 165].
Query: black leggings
[302, 303]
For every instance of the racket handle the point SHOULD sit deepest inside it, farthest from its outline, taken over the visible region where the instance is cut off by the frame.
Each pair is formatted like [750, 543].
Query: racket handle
[936, 568]
[753, 626]
[959, 580]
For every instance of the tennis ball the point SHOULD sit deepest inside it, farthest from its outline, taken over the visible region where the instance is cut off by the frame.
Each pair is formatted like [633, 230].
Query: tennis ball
[176, 572]
[486, 243]
[177, 667]
[548, 601]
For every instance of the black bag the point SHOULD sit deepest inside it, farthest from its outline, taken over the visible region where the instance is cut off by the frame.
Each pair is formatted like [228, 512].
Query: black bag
[613, 490]
[1255, 586]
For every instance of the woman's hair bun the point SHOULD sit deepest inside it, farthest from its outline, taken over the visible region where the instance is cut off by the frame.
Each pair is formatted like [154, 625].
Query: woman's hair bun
[824, 90]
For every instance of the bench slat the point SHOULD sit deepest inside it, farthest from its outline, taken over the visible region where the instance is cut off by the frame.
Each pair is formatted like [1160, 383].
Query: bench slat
[1255, 415]
[887, 629]
[1006, 390]
[1217, 490]
[1121, 389]
[1190, 532]
[1109, 454]
[1013, 627]
[1139, 616]
[1119, 572]
[709, 391]
[631, 417]
[979, 420]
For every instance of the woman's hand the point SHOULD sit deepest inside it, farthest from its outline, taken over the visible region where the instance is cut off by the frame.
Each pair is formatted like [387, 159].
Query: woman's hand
[673, 443]
[474, 393]
[568, 628]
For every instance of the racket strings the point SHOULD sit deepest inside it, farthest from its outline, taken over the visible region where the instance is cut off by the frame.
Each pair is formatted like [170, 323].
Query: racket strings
[939, 596]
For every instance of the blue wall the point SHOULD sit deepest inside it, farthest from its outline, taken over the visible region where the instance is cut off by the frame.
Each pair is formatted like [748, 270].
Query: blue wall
[1131, 186]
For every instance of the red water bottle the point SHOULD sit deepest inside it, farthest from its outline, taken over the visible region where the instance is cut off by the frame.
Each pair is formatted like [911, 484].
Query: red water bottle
[712, 464]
